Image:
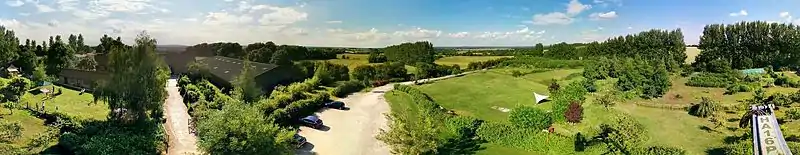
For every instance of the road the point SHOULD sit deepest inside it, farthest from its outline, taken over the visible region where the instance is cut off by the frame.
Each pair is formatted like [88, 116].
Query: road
[181, 141]
[352, 131]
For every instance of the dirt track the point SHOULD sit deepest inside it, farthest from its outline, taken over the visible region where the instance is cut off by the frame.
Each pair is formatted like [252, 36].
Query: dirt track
[181, 141]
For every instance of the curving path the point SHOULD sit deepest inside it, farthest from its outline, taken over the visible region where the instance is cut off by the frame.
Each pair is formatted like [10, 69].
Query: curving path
[353, 131]
[181, 141]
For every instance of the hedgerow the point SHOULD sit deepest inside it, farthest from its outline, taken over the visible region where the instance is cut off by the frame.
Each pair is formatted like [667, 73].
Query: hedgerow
[347, 87]
[533, 140]
[717, 80]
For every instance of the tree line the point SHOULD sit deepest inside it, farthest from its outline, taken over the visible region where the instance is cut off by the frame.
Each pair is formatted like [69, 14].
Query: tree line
[749, 44]
[266, 52]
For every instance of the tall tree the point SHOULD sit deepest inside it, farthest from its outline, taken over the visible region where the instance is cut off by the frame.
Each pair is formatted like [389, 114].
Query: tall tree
[281, 57]
[59, 57]
[246, 88]
[411, 53]
[9, 45]
[240, 129]
[146, 91]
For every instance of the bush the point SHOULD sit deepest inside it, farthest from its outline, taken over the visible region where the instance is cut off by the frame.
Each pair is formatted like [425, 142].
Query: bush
[589, 85]
[793, 114]
[376, 57]
[540, 62]
[574, 113]
[736, 88]
[717, 80]
[554, 86]
[347, 87]
[706, 108]
[660, 150]
[529, 117]
[738, 148]
[533, 140]
[516, 73]
[779, 99]
[328, 72]
[786, 81]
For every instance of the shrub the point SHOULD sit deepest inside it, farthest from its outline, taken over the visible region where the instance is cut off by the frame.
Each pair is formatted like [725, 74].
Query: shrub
[329, 72]
[738, 148]
[529, 117]
[793, 114]
[738, 87]
[363, 73]
[347, 87]
[624, 134]
[589, 85]
[786, 81]
[660, 150]
[779, 99]
[533, 140]
[376, 57]
[706, 108]
[516, 73]
[554, 86]
[717, 80]
[574, 113]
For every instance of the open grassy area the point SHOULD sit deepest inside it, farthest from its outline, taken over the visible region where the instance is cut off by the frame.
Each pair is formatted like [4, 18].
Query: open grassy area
[351, 61]
[481, 94]
[691, 54]
[30, 124]
[463, 61]
[70, 102]
[476, 95]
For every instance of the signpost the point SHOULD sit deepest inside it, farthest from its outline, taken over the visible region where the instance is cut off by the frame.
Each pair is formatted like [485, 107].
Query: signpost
[767, 136]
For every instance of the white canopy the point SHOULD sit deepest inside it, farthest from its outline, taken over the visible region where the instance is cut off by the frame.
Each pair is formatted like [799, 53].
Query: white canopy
[539, 98]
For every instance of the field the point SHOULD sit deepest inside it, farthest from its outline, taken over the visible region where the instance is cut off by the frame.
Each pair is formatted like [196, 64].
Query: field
[30, 124]
[691, 54]
[354, 60]
[463, 61]
[481, 94]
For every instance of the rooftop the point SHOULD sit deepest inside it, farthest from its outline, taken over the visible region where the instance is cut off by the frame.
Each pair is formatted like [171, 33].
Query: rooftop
[229, 68]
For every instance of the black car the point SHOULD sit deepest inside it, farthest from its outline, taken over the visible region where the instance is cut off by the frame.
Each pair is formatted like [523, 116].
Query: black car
[312, 121]
[299, 141]
[335, 105]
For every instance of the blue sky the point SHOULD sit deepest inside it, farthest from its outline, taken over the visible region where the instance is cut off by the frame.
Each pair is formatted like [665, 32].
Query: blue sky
[377, 23]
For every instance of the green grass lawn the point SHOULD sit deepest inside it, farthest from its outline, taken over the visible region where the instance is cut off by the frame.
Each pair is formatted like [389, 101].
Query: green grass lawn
[463, 61]
[476, 94]
[352, 61]
[30, 124]
[72, 103]
[675, 128]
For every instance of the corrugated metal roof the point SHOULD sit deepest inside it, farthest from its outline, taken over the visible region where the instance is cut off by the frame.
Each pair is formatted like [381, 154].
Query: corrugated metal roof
[229, 68]
[754, 71]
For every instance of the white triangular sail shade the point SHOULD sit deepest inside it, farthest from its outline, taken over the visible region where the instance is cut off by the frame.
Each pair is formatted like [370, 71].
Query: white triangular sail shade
[539, 98]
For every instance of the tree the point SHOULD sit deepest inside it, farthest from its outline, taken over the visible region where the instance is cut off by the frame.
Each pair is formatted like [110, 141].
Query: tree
[539, 48]
[554, 86]
[87, 63]
[574, 113]
[240, 129]
[411, 53]
[10, 131]
[624, 135]
[606, 99]
[376, 57]
[246, 88]
[15, 89]
[39, 75]
[9, 45]
[409, 137]
[529, 117]
[281, 57]
[136, 95]
[706, 108]
[59, 57]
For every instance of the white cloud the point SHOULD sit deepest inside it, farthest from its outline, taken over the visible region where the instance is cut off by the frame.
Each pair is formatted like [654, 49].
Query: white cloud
[24, 14]
[418, 33]
[228, 0]
[630, 27]
[334, 22]
[575, 7]
[740, 13]
[15, 3]
[44, 8]
[540, 32]
[552, 18]
[459, 35]
[224, 18]
[784, 14]
[278, 15]
[603, 15]
[524, 30]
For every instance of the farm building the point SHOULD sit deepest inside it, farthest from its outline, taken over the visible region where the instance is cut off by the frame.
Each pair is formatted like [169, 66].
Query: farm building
[81, 78]
[224, 71]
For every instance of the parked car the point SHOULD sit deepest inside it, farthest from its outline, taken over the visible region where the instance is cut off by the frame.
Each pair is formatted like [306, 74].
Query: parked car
[299, 140]
[335, 105]
[312, 121]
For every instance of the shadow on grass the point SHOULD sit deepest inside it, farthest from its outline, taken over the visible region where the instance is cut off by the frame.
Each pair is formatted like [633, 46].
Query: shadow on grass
[715, 151]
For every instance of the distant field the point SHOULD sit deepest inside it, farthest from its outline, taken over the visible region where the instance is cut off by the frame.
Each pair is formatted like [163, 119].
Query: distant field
[354, 60]
[691, 54]
[463, 61]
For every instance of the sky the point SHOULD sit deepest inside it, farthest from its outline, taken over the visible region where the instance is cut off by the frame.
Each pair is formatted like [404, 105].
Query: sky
[378, 23]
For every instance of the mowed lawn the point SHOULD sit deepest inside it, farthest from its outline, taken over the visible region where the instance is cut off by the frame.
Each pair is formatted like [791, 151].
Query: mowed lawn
[481, 94]
[463, 61]
[31, 126]
[682, 95]
[70, 102]
[350, 60]
[691, 54]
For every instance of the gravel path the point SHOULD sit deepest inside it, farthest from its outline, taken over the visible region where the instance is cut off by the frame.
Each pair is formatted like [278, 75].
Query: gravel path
[181, 141]
[353, 131]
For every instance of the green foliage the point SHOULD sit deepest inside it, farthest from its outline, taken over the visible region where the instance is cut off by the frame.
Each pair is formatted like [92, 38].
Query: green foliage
[425, 70]
[705, 108]
[529, 117]
[486, 64]
[786, 81]
[624, 135]
[779, 99]
[652, 46]
[540, 62]
[749, 44]
[9, 44]
[533, 140]
[113, 138]
[739, 148]
[574, 113]
[136, 95]
[554, 86]
[246, 88]
[86, 63]
[606, 100]
[10, 131]
[376, 57]
[281, 57]
[589, 85]
[410, 53]
[329, 72]
[718, 80]
[410, 136]
[660, 150]
[239, 129]
[574, 92]
[14, 90]
[793, 114]
[651, 79]
[738, 87]
[382, 72]
[347, 87]
[59, 56]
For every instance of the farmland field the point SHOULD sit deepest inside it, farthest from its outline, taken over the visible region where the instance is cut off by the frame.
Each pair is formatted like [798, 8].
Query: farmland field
[463, 61]
[482, 94]
[353, 60]
[691, 54]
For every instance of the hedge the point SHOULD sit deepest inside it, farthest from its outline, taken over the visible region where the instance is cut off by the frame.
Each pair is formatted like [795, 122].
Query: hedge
[717, 80]
[347, 87]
